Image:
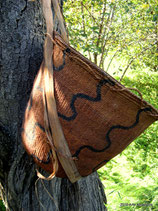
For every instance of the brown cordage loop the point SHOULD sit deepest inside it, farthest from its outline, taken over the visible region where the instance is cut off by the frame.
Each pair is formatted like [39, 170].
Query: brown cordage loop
[129, 88]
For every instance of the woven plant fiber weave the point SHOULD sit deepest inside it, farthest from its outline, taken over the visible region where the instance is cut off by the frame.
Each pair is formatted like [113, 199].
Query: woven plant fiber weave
[99, 116]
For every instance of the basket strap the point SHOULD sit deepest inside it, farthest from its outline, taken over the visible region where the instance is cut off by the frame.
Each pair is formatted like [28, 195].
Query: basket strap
[52, 124]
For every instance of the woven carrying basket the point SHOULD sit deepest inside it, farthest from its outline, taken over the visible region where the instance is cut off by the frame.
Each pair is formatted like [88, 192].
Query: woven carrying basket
[99, 117]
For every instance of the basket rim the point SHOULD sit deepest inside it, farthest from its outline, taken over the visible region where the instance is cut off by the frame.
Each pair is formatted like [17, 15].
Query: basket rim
[98, 73]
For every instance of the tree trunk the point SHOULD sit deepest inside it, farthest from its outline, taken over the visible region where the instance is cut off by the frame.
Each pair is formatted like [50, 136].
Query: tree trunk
[22, 27]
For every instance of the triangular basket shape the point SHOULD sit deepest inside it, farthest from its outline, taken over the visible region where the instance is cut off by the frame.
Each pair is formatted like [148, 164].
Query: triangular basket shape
[99, 116]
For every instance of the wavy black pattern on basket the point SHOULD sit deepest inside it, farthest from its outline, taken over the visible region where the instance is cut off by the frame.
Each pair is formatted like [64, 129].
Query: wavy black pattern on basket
[101, 163]
[76, 154]
[42, 161]
[74, 98]
[31, 137]
[85, 97]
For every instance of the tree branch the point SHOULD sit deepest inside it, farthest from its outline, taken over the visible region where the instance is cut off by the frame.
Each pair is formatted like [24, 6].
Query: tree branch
[83, 25]
[112, 59]
[104, 41]
[131, 60]
[89, 12]
[100, 31]
[83, 18]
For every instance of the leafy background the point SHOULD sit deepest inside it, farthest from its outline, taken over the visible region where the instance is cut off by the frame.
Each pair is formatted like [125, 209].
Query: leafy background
[121, 37]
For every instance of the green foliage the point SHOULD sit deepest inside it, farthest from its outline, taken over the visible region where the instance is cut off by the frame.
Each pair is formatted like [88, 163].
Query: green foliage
[121, 37]
[103, 29]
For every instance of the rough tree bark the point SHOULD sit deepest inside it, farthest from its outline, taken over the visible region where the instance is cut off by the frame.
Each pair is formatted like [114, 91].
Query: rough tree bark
[22, 28]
